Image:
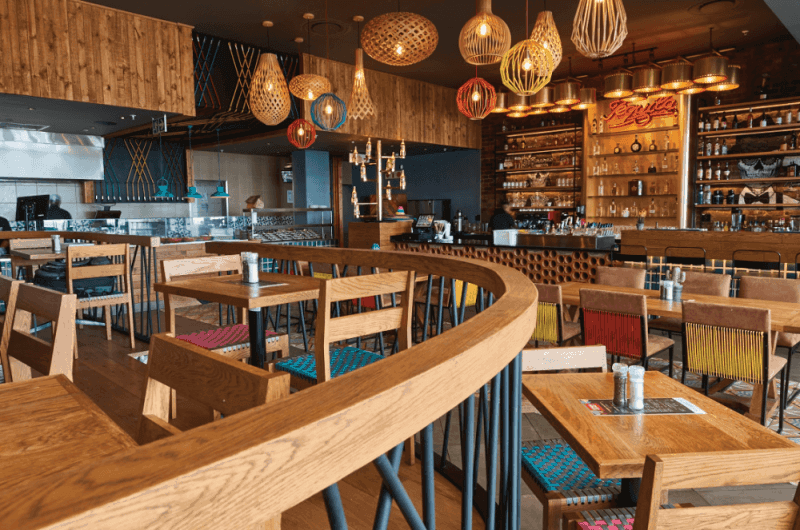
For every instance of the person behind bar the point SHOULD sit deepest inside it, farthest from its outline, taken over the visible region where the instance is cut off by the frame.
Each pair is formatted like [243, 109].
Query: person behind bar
[55, 211]
[502, 218]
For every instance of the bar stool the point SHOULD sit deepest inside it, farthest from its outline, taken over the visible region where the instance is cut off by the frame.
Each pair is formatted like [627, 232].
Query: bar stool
[621, 277]
[550, 325]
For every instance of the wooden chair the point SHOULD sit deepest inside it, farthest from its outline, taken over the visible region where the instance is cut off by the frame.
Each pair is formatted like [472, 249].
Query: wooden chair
[621, 277]
[696, 283]
[231, 341]
[27, 352]
[555, 473]
[550, 325]
[120, 269]
[9, 290]
[28, 266]
[664, 473]
[324, 363]
[732, 343]
[618, 321]
[420, 299]
[222, 384]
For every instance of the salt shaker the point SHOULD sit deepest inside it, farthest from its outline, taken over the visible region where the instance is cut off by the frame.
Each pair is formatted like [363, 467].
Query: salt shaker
[250, 267]
[620, 384]
[636, 402]
[666, 289]
[56, 244]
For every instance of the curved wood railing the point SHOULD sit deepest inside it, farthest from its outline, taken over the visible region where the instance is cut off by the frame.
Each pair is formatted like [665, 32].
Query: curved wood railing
[252, 466]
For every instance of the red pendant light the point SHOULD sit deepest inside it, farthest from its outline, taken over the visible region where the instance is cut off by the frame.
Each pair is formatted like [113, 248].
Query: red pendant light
[476, 98]
[301, 133]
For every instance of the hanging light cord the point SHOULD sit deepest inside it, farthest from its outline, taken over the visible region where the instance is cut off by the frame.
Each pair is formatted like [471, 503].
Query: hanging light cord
[219, 162]
[327, 34]
[526, 19]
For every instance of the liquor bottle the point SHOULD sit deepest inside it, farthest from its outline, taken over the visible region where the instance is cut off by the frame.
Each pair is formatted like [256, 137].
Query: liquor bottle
[723, 150]
[665, 209]
[652, 168]
[653, 188]
[707, 194]
[708, 124]
[600, 188]
[665, 163]
[595, 169]
[718, 172]
[735, 124]
[600, 126]
[716, 122]
[505, 145]
[793, 143]
[699, 171]
[612, 209]
[636, 146]
[617, 149]
[666, 141]
[700, 124]
[749, 120]
[653, 146]
[709, 171]
[723, 124]
[616, 168]
[762, 92]
[504, 127]
[709, 147]
[522, 144]
[635, 166]
[614, 189]
[596, 147]
[677, 163]
[604, 167]
[762, 121]
[513, 144]
[665, 189]
[701, 147]
[778, 118]
[599, 212]
[652, 210]
[727, 172]
[594, 126]
[716, 147]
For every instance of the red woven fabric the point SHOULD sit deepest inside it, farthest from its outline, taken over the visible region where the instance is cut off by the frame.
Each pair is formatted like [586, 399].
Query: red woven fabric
[621, 334]
[221, 337]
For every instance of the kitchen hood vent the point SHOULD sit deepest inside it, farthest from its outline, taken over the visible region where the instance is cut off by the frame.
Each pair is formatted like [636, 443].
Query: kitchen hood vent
[22, 126]
[29, 154]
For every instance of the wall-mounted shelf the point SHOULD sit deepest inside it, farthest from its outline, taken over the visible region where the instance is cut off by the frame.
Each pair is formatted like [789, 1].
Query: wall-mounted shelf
[642, 152]
[737, 182]
[749, 155]
[608, 175]
[543, 208]
[754, 131]
[746, 206]
[634, 131]
[631, 196]
[755, 105]
[540, 169]
[542, 130]
[542, 188]
[511, 152]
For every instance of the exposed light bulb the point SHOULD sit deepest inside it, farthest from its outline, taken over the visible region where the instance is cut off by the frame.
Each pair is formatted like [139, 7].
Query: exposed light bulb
[399, 49]
[476, 96]
[527, 64]
[269, 86]
[483, 29]
[328, 109]
[363, 172]
[359, 74]
[300, 131]
[355, 197]
[310, 95]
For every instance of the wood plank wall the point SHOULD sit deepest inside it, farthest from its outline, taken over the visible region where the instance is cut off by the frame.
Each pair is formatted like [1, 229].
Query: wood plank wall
[407, 109]
[77, 51]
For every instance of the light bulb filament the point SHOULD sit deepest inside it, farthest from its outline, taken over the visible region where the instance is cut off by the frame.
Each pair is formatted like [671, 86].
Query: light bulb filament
[476, 96]
[399, 49]
[300, 132]
[328, 109]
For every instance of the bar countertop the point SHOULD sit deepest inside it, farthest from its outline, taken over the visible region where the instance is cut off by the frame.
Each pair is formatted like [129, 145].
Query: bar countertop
[527, 241]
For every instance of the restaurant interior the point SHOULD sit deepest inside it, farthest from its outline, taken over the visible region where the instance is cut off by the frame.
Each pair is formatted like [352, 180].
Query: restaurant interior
[400, 264]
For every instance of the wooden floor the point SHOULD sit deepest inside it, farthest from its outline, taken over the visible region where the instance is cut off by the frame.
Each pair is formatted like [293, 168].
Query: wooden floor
[114, 380]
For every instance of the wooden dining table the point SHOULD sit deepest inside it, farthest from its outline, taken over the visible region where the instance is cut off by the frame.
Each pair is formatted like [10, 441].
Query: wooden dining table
[272, 290]
[47, 425]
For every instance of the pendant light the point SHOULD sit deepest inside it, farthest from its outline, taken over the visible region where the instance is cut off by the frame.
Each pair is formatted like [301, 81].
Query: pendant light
[400, 38]
[328, 112]
[588, 99]
[485, 38]
[676, 75]
[501, 104]
[220, 193]
[712, 68]
[360, 105]
[309, 86]
[618, 85]
[269, 97]
[517, 103]
[192, 193]
[476, 98]
[545, 33]
[647, 79]
[599, 27]
[567, 93]
[517, 114]
[528, 66]
[537, 112]
[163, 189]
[732, 83]
[558, 109]
[690, 90]
[301, 133]
[544, 98]
[661, 94]
[635, 98]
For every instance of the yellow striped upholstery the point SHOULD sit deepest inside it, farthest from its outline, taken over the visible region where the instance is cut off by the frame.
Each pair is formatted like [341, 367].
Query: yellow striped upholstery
[725, 352]
[546, 323]
[472, 293]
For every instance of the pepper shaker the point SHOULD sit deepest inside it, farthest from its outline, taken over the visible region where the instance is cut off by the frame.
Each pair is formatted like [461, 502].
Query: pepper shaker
[620, 384]
[636, 401]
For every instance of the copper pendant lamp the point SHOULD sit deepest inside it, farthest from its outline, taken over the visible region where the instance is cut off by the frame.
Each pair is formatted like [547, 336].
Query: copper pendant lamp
[618, 85]
[537, 112]
[476, 98]
[518, 103]
[309, 86]
[399, 38]
[485, 38]
[501, 105]
[676, 75]
[647, 80]
[558, 109]
[588, 99]
[712, 68]
[544, 98]
[568, 93]
[732, 83]
[690, 90]
[599, 27]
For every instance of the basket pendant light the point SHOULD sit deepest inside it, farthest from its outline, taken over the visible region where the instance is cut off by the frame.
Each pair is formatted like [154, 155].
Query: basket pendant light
[360, 105]
[599, 27]
[485, 38]
[301, 134]
[528, 66]
[270, 101]
[399, 39]
[545, 33]
[309, 87]
[476, 98]
[328, 112]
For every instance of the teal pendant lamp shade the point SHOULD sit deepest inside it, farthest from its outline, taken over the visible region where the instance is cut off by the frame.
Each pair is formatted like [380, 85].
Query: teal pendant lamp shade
[162, 183]
[220, 193]
[192, 193]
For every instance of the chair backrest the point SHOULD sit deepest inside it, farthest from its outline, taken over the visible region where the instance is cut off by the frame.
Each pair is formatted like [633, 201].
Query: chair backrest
[685, 256]
[621, 277]
[390, 318]
[206, 266]
[9, 290]
[618, 321]
[707, 283]
[549, 325]
[570, 358]
[118, 268]
[19, 244]
[775, 289]
[27, 351]
[216, 381]
[731, 342]
[663, 473]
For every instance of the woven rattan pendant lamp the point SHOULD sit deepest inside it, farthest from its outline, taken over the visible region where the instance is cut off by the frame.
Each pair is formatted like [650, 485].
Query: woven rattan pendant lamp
[301, 134]
[545, 33]
[599, 27]
[476, 98]
[711, 68]
[328, 112]
[527, 67]
[309, 86]
[270, 101]
[400, 38]
[485, 38]
[360, 105]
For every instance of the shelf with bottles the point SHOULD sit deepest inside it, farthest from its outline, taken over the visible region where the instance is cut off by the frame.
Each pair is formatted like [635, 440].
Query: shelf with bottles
[631, 207]
[648, 152]
[746, 120]
[630, 175]
[533, 189]
[516, 182]
[526, 151]
[745, 182]
[630, 132]
[730, 156]
[727, 133]
[541, 208]
[746, 206]
[631, 166]
[548, 129]
[649, 145]
[625, 196]
[540, 162]
[550, 169]
[518, 199]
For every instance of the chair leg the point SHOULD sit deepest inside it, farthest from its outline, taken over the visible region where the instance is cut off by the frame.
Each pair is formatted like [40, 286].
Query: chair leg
[764, 403]
[671, 358]
[782, 398]
[130, 324]
[683, 374]
[107, 319]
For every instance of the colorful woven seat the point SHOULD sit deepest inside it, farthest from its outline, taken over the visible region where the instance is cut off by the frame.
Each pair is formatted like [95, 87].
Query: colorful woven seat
[343, 360]
[556, 467]
[226, 339]
[610, 519]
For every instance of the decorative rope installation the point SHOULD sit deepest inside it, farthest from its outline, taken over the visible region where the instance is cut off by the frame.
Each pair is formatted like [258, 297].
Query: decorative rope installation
[485, 38]
[328, 112]
[620, 333]
[270, 101]
[599, 28]
[399, 39]
[476, 98]
[545, 33]
[360, 105]
[526, 68]
[309, 86]
[546, 323]
[301, 133]
[725, 352]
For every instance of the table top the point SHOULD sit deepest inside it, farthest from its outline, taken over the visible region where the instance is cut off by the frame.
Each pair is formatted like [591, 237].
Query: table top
[231, 291]
[36, 254]
[785, 316]
[47, 425]
[616, 446]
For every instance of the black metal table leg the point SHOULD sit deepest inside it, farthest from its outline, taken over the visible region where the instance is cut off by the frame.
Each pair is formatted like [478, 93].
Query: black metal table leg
[258, 345]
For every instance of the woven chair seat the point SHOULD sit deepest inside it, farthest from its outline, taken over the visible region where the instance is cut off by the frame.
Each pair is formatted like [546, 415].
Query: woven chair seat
[610, 519]
[226, 338]
[555, 466]
[343, 360]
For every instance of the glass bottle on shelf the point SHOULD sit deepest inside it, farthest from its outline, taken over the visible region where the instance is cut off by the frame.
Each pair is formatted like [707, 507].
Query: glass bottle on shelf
[749, 120]
[600, 126]
[617, 149]
[653, 146]
[708, 124]
[612, 209]
[762, 91]
[707, 194]
[665, 163]
[594, 126]
[718, 172]
[595, 169]
[599, 212]
[778, 118]
[709, 171]
[666, 141]
[716, 147]
[675, 208]
[505, 145]
[723, 123]
[652, 168]
[709, 147]
[762, 121]
[504, 127]
[701, 147]
[716, 122]
[652, 210]
[635, 166]
[723, 149]
[596, 147]
[677, 163]
[614, 189]
[616, 168]
[727, 172]
[735, 124]
[636, 146]
[513, 144]
[522, 144]
[652, 188]
[604, 167]
[700, 123]
[793, 141]
[626, 212]
[665, 209]
[700, 171]
[600, 188]
[665, 187]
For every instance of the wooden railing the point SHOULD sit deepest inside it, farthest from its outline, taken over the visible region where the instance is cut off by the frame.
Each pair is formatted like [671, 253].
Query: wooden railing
[249, 467]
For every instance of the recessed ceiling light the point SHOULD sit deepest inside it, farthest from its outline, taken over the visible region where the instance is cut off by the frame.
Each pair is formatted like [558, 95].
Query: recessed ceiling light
[31, 108]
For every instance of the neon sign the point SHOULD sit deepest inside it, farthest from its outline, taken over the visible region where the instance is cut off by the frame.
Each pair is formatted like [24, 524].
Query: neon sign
[623, 114]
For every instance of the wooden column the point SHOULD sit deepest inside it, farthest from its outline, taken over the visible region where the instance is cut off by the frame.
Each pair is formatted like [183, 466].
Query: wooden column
[337, 201]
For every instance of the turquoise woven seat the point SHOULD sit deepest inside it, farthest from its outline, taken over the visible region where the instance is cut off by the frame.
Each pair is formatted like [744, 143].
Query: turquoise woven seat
[343, 360]
[555, 466]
